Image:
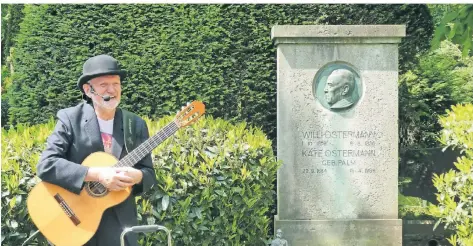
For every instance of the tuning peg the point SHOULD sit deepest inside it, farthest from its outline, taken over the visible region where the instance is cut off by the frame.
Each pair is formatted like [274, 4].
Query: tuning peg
[188, 103]
[182, 107]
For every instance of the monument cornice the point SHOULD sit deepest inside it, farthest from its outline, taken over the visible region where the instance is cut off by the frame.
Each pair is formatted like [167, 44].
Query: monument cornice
[291, 34]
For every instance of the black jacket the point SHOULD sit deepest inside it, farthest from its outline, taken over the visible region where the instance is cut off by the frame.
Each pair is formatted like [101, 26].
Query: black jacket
[76, 136]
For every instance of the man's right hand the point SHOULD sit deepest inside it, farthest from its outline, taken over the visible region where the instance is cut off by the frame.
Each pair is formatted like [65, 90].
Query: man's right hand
[112, 178]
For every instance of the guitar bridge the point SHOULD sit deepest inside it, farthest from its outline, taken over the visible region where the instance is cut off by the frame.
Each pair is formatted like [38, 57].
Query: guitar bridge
[67, 209]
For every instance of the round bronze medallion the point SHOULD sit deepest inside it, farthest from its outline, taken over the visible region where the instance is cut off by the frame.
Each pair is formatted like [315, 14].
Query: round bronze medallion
[337, 86]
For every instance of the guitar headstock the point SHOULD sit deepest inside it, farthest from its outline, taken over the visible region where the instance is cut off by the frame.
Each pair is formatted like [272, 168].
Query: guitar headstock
[189, 114]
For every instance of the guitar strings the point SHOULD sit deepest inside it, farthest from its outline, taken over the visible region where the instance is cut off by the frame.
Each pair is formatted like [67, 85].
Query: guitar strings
[133, 153]
[128, 160]
[147, 147]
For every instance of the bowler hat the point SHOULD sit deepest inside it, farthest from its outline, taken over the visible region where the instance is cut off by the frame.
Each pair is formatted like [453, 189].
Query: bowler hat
[98, 66]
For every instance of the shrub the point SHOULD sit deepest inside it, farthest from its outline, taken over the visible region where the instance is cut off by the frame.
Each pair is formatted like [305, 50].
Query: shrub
[455, 187]
[215, 183]
[441, 79]
[413, 208]
[21, 149]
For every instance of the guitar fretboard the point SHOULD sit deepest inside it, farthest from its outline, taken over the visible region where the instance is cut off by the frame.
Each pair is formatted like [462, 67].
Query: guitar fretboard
[146, 147]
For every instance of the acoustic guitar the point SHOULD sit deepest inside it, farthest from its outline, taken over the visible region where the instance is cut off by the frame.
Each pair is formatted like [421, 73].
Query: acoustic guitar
[68, 219]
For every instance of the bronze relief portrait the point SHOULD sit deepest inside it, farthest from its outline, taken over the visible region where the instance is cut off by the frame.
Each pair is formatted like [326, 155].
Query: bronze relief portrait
[337, 86]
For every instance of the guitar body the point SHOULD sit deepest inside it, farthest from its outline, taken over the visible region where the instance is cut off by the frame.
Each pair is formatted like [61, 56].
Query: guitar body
[67, 219]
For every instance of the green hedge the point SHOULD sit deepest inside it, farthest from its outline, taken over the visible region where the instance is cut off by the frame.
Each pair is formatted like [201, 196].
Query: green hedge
[220, 54]
[215, 184]
[12, 15]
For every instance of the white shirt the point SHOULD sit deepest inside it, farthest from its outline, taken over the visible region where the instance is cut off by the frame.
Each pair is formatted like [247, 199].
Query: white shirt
[106, 126]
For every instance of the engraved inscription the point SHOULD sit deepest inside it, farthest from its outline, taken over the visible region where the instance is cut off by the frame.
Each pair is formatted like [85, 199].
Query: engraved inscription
[314, 170]
[339, 149]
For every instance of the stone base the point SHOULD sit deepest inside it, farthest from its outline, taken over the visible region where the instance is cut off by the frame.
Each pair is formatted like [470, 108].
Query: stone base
[340, 232]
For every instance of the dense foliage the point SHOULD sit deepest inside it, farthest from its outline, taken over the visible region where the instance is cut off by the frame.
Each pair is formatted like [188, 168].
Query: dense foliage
[413, 208]
[21, 149]
[455, 187]
[457, 26]
[12, 15]
[441, 79]
[215, 184]
[220, 54]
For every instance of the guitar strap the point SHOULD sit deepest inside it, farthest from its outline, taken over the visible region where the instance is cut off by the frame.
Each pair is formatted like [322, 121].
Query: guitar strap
[129, 130]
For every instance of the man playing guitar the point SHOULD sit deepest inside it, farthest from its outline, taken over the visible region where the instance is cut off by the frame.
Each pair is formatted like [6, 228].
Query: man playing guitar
[96, 125]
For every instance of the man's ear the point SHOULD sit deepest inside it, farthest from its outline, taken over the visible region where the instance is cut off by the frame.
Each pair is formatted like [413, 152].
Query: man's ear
[86, 88]
[345, 90]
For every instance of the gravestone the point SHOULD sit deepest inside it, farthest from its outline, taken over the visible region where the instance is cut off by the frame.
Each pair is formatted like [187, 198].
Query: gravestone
[337, 134]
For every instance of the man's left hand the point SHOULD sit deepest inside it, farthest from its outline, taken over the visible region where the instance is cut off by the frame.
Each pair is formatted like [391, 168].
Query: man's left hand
[135, 174]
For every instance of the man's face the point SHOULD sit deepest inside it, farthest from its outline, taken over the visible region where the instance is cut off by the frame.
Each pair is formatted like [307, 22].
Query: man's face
[334, 88]
[107, 85]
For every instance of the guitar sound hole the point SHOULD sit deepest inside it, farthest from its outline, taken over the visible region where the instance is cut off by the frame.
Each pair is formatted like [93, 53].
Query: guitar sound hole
[96, 189]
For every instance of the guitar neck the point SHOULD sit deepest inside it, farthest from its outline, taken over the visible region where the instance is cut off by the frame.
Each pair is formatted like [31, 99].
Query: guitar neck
[146, 147]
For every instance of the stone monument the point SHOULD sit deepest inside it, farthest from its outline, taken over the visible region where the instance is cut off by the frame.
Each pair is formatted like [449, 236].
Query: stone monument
[337, 134]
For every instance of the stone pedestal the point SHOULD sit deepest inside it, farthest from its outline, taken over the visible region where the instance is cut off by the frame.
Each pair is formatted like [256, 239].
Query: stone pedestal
[337, 126]
[341, 232]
